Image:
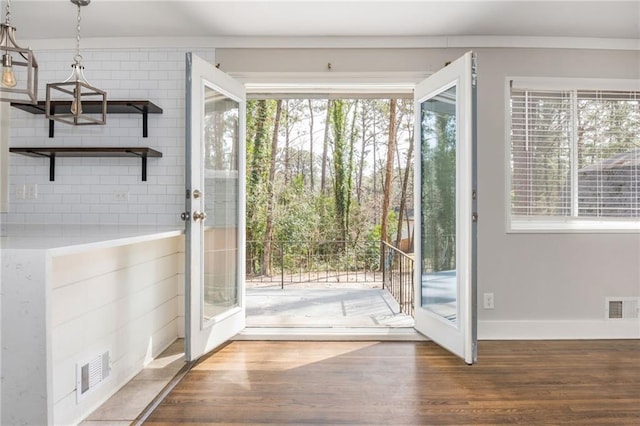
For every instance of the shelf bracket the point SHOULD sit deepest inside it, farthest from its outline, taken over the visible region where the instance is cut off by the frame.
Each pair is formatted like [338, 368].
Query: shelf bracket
[52, 124]
[143, 157]
[145, 119]
[52, 163]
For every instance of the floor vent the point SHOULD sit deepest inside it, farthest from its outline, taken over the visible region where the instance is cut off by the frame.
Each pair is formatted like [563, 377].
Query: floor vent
[623, 308]
[93, 373]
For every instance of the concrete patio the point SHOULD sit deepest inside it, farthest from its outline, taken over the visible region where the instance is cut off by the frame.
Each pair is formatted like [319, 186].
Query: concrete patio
[324, 308]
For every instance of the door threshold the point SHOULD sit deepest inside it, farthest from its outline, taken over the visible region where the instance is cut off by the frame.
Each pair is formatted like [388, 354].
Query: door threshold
[406, 334]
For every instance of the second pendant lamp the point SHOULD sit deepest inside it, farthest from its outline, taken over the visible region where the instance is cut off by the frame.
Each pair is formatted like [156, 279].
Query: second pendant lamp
[75, 101]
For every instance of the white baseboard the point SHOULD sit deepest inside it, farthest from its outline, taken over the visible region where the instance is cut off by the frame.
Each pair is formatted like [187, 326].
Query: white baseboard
[559, 329]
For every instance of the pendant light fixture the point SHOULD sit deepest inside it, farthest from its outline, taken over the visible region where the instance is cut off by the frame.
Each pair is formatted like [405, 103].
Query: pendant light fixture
[19, 79]
[76, 101]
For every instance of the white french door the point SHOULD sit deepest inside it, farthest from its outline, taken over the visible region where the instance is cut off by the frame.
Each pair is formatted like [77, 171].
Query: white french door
[215, 176]
[445, 197]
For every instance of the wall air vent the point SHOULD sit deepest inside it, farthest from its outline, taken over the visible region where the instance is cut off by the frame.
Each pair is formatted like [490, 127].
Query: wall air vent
[92, 374]
[622, 308]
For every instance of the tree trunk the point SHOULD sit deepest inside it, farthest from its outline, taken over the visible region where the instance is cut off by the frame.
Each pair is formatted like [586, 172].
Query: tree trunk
[374, 191]
[287, 132]
[388, 170]
[268, 233]
[259, 142]
[349, 168]
[325, 149]
[255, 177]
[338, 117]
[362, 153]
[311, 179]
[403, 194]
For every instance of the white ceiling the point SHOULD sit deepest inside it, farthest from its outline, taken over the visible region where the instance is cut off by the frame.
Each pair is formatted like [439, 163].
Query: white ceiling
[47, 19]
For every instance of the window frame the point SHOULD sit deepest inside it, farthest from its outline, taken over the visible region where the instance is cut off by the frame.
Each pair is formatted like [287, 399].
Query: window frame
[559, 224]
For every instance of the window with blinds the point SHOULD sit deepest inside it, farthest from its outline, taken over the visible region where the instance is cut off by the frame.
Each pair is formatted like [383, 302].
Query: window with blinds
[575, 153]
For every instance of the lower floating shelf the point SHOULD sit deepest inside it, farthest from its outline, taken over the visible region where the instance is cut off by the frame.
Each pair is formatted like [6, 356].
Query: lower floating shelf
[52, 152]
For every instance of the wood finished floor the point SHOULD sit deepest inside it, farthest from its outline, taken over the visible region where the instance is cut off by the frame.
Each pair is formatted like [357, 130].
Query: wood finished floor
[410, 383]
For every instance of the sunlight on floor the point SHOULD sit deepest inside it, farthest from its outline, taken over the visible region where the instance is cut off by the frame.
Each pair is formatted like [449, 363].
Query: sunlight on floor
[286, 358]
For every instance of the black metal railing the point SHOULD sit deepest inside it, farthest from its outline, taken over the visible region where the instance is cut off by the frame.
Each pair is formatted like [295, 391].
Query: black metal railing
[319, 263]
[398, 277]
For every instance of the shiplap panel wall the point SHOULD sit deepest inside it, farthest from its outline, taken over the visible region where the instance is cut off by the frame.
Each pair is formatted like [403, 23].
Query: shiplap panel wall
[83, 191]
[122, 298]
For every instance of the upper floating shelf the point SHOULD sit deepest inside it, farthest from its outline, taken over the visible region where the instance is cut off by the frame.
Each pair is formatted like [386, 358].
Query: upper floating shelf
[94, 107]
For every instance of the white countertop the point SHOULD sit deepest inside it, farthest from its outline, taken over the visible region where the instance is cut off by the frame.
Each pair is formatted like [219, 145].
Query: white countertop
[65, 239]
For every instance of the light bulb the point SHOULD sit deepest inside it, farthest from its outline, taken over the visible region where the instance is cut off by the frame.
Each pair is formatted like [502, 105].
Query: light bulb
[76, 106]
[8, 76]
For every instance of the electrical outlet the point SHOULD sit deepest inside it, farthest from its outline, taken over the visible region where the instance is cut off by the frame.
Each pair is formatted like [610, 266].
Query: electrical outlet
[121, 196]
[488, 301]
[21, 192]
[32, 191]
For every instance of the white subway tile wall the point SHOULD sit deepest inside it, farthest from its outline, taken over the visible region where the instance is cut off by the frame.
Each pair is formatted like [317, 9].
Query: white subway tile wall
[106, 190]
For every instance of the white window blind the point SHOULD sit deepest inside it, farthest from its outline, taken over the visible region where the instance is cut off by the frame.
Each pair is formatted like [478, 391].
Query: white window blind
[575, 153]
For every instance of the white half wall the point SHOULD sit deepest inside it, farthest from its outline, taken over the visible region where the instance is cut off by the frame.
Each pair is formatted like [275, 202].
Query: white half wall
[65, 310]
[124, 299]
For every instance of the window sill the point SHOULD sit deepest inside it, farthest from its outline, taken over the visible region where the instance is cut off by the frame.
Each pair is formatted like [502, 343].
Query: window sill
[568, 226]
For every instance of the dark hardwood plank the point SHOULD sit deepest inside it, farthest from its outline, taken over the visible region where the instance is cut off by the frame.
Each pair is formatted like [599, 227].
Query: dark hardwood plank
[410, 383]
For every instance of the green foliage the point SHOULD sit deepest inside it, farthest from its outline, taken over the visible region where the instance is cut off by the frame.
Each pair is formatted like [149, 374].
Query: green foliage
[357, 133]
[375, 233]
[438, 204]
[340, 165]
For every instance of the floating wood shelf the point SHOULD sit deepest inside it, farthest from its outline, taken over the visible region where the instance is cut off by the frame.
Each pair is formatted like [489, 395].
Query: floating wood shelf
[93, 107]
[52, 152]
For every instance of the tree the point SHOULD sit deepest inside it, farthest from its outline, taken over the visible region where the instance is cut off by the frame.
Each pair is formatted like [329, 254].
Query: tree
[386, 195]
[268, 233]
[349, 165]
[256, 151]
[405, 181]
[311, 183]
[340, 184]
[325, 148]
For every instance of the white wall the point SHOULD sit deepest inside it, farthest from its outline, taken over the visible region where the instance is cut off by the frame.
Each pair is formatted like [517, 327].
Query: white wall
[83, 191]
[4, 154]
[558, 277]
[545, 285]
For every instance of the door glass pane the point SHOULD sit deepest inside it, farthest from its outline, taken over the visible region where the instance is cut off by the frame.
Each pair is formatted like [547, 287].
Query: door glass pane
[221, 198]
[438, 205]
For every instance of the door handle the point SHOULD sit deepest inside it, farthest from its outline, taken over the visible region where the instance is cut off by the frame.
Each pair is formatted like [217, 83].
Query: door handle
[197, 215]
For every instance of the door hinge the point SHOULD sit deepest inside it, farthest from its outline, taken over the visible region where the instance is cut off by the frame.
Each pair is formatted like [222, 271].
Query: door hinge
[474, 69]
[474, 217]
[185, 216]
